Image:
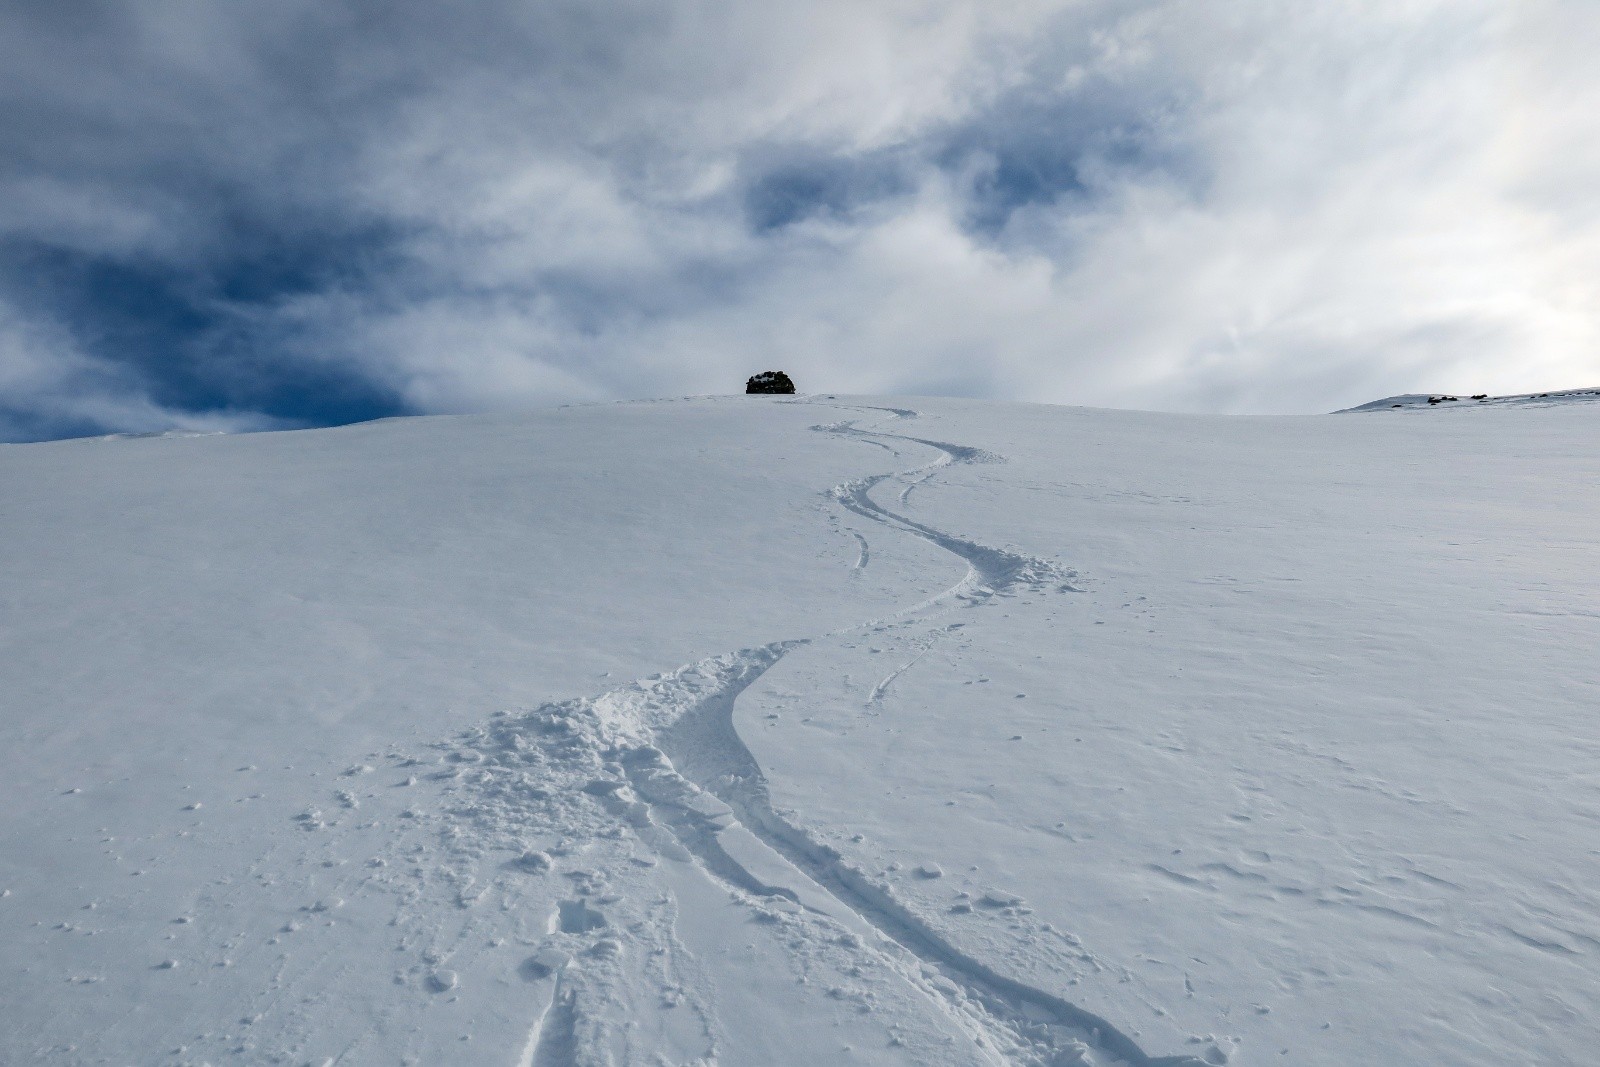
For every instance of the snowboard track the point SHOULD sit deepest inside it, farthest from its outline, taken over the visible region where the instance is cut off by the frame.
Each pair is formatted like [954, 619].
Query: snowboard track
[667, 760]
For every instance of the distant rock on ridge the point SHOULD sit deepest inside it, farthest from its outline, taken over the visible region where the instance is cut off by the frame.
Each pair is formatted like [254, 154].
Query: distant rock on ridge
[1424, 400]
[769, 381]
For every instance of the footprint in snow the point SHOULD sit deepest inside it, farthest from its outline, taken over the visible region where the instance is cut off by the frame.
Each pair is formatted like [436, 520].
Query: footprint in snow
[576, 917]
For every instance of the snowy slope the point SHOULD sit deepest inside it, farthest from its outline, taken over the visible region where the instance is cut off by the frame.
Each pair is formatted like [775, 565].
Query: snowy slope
[1427, 400]
[830, 730]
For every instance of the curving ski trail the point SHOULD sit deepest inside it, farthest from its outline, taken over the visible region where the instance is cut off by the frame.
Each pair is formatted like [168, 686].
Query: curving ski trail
[663, 759]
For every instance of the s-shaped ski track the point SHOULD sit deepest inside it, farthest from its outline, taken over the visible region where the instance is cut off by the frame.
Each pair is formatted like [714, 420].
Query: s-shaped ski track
[661, 760]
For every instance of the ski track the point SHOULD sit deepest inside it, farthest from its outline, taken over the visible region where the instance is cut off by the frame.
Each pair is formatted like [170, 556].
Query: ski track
[553, 1040]
[923, 647]
[570, 789]
[863, 557]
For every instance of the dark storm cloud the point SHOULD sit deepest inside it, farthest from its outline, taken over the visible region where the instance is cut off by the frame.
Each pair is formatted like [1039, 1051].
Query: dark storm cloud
[191, 189]
[245, 214]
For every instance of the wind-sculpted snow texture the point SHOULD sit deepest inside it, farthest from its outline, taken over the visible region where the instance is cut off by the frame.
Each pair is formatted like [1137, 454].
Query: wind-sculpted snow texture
[1065, 737]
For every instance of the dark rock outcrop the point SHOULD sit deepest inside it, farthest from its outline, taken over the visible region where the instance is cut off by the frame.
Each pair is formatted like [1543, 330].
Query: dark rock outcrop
[769, 381]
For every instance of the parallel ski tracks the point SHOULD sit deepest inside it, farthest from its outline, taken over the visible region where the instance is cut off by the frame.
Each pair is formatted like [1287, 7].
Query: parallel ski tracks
[675, 743]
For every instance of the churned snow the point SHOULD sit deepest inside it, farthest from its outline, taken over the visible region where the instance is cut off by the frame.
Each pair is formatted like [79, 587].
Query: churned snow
[818, 730]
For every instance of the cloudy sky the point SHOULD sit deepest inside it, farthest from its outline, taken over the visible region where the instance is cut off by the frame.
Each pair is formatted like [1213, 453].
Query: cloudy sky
[255, 213]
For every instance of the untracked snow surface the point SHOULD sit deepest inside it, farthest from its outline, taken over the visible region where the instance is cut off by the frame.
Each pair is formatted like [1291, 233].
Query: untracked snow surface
[811, 731]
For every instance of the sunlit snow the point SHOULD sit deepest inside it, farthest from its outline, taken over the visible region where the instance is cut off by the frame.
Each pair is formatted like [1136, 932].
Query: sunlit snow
[816, 730]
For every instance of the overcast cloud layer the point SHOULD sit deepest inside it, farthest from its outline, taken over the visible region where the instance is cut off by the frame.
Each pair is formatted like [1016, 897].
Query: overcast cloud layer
[243, 215]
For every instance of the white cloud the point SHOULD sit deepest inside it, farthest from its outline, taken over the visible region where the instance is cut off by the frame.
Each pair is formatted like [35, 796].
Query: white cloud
[1259, 206]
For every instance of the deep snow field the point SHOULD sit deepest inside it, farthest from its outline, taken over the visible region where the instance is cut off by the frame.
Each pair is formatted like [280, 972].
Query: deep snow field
[810, 731]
